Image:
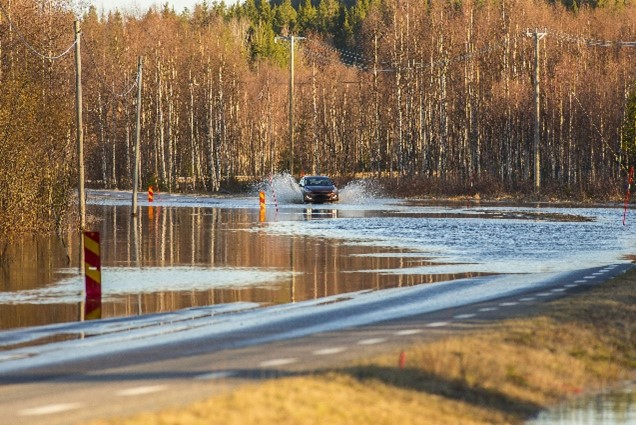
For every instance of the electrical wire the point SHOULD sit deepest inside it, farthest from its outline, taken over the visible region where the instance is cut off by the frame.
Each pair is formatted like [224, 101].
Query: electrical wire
[591, 41]
[359, 61]
[29, 45]
[102, 78]
[617, 157]
[415, 66]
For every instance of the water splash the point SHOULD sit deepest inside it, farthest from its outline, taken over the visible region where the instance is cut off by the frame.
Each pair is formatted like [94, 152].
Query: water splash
[283, 187]
[360, 192]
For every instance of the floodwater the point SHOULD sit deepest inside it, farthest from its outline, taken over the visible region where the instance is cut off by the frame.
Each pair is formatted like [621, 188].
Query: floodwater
[186, 251]
[616, 407]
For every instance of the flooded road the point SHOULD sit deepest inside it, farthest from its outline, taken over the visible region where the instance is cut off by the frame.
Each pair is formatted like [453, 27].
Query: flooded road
[187, 251]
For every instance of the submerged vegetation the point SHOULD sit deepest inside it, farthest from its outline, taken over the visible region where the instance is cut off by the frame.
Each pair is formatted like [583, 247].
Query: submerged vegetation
[503, 373]
[438, 94]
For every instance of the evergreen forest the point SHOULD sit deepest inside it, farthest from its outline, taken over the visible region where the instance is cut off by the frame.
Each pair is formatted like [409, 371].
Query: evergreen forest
[439, 96]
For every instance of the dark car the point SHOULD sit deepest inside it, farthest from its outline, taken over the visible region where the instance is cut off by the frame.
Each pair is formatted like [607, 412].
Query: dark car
[318, 189]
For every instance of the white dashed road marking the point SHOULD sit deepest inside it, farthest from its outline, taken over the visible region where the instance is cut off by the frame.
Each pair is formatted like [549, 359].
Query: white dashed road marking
[589, 277]
[408, 332]
[488, 309]
[149, 389]
[558, 290]
[371, 341]
[329, 351]
[216, 375]
[571, 285]
[580, 281]
[437, 324]
[509, 304]
[50, 409]
[464, 316]
[277, 362]
[527, 299]
[544, 294]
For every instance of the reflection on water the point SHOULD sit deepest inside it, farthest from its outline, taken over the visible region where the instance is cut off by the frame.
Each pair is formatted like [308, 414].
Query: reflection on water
[615, 408]
[173, 258]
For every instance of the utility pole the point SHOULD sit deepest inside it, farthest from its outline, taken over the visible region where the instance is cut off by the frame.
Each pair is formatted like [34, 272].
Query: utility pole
[291, 39]
[537, 109]
[79, 130]
[140, 66]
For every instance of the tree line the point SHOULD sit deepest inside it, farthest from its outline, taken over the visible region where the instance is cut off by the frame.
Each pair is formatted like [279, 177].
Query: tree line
[436, 94]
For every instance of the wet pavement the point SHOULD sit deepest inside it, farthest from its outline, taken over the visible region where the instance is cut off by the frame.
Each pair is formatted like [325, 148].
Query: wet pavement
[190, 251]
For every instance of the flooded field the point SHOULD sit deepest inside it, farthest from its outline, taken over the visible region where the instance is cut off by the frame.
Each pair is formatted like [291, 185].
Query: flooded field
[187, 251]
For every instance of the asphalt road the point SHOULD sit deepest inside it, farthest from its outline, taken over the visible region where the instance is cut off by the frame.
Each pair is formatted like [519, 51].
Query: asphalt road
[192, 366]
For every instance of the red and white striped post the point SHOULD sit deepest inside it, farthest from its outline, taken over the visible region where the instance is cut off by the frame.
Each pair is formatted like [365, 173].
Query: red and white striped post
[93, 276]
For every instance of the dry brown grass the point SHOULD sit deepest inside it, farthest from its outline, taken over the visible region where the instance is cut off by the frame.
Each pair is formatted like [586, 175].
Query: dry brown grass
[331, 398]
[502, 374]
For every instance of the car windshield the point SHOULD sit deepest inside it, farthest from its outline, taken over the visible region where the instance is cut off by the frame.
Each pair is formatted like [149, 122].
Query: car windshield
[318, 182]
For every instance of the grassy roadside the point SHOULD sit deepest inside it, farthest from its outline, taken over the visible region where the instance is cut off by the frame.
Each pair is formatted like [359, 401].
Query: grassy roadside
[502, 374]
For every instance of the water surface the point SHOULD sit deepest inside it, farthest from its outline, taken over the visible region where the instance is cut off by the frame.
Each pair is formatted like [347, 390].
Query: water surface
[189, 251]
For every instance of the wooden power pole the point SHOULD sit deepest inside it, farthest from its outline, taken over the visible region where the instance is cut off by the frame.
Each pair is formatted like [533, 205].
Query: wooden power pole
[140, 66]
[537, 110]
[79, 130]
[291, 40]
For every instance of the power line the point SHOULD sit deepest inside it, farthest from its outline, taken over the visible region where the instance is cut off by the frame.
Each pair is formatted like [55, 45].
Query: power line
[355, 57]
[29, 45]
[102, 78]
[352, 58]
[617, 157]
[415, 65]
[592, 41]
[325, 58]
[359, 61]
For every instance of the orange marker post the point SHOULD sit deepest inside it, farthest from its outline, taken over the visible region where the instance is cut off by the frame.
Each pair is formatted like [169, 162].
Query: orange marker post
[151, 194]
[402, 360]
[261, 198]
[93, 275]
